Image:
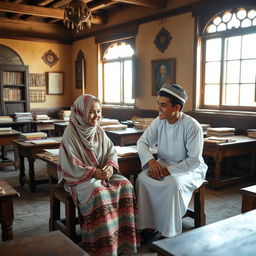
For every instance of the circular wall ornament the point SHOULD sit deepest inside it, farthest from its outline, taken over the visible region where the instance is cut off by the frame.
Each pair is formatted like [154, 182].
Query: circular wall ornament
[162, 40]
[50, 58]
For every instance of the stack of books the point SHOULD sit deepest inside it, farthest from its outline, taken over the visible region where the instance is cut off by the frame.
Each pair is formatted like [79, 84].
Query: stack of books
[114, 127]
[31, 136]
[251, 133]
[108, 121]
[23, 116]
[52, 154]
[64, 114]
[142, 123]
[220, 131]
[42, 117]
[6, 119]
[126, 151]
[5, 129]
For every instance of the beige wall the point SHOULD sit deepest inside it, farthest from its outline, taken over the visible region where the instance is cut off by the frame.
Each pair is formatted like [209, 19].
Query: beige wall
[181, 28]
[31, 53]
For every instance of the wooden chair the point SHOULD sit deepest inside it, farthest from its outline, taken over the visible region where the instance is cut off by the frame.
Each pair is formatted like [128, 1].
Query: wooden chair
[68, 224]
[198, 214]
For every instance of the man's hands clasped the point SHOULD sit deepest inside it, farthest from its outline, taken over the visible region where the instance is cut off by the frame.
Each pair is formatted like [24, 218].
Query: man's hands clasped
[156, 171]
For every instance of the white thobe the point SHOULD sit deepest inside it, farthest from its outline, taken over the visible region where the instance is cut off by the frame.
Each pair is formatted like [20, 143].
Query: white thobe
[163, 203]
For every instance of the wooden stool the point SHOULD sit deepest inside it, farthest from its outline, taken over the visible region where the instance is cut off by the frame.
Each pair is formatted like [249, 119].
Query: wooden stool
[198, 213]
[68, 225]
[248, 198]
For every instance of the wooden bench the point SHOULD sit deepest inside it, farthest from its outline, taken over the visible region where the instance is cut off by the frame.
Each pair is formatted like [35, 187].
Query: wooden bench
[198, 214]
[248, 198]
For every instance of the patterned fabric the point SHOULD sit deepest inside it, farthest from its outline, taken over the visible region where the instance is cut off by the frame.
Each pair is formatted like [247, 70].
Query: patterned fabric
[107, 214]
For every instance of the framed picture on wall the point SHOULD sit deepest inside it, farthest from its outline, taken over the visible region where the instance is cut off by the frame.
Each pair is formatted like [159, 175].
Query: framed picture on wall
[55, 83]
[163, 72]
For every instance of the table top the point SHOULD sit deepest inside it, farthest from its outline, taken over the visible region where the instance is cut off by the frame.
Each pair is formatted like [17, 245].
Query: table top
[232, 236]
[239, 139]
[53, 243]
[65, 123]
[25, 144]
[7, 191]
[9, 133]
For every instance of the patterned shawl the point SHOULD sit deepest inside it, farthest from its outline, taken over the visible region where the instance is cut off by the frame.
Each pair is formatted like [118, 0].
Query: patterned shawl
[83, 148]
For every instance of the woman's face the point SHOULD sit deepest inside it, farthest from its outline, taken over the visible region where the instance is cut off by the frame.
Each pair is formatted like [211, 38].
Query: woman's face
[94, 114]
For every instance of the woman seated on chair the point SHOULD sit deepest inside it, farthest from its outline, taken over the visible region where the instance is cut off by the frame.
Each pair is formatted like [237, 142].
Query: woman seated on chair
[89, 169]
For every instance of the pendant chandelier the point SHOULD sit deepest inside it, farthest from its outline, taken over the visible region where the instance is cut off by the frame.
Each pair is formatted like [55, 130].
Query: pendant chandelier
[76, 14]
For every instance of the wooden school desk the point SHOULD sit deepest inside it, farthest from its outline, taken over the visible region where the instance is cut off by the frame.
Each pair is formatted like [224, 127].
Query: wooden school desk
[53, 243]
[59, 128]
[29, 150]
[6, 139]
[232, 236]
[242, 146]
[7, 194]
[128, 136]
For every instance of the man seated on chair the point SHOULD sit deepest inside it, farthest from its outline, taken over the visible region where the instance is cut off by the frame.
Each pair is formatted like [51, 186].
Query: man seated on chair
[165, 186]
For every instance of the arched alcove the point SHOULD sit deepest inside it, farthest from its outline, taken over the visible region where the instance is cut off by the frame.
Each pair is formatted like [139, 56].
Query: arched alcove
[9, 56]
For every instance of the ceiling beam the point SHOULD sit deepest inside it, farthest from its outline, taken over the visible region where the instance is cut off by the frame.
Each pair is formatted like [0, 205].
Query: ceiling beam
[41, 11]
[146, 3]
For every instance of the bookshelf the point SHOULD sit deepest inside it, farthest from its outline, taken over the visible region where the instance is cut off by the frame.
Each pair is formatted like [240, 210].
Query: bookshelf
[14, 89]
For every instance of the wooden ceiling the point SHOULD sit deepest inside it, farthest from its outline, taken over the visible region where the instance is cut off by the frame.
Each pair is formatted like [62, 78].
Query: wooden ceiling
[25, 12]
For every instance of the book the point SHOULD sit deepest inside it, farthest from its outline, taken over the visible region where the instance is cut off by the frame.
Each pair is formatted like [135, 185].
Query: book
[219, 140]
[52, 152]
[108, 121]
[44, 141]
[220, 129]
[5, 129]
[33, 136]
[126, 150]
[114, 127]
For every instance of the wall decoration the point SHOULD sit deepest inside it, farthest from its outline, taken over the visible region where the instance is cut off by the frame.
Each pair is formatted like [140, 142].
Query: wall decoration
[80, 71]
[55, 83]
[36, 80]
[50, 58]
[163, 71]
[37, 95]
[162, 40]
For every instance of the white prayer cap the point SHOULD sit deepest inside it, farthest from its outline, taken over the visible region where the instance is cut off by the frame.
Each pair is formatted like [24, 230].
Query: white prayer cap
[175, 90]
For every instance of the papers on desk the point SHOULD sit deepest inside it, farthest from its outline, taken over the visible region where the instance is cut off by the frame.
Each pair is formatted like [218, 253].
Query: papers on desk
[126, 150]
[5, 129]
[52, 154]
[45, 141]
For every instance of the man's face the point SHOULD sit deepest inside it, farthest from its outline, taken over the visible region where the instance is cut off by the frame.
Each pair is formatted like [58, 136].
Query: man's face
[167, 110]
[94, 114]
[163, 69]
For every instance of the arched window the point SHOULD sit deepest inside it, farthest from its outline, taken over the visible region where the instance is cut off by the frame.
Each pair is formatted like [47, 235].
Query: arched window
[117, 72]
[228, 61]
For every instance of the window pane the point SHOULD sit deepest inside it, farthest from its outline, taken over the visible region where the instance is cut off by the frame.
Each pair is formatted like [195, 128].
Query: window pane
[248, 46]
[247, 95]
[128, 82]
[112, 75]
[232, 72]
[213, 49]
[211, 95]
[231, 94]
[233, 46]
[248, 71]
[212, 72]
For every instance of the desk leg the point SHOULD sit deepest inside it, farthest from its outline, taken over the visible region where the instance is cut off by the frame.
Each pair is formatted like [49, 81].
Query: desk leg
[16, 158]
[217, 170]
[32, 183]
[7, 216]
[22, 171]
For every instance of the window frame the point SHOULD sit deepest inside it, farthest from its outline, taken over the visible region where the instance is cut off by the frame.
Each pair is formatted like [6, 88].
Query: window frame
[121, 60]
[202, 37]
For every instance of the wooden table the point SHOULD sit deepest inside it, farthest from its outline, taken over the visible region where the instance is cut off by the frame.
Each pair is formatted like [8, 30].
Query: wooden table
[128, 136]
[59, 128]
[242, 146]
[248, 198]
[7, 194]
[45, 125]
[232, 236]
[6, 139]
[30, 151]
[53, 243]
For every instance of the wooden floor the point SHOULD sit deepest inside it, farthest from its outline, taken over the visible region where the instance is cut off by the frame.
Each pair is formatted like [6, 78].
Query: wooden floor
[32, 209]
